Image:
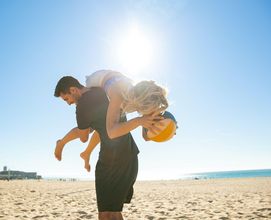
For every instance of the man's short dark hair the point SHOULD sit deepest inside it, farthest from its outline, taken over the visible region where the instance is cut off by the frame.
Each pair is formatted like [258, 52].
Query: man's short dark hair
[64, 84]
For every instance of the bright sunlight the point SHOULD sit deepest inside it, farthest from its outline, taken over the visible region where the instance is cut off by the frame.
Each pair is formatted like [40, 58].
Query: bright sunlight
[134, 50]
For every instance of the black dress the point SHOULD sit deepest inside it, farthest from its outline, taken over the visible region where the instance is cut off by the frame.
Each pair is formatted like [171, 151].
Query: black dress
[117, 166]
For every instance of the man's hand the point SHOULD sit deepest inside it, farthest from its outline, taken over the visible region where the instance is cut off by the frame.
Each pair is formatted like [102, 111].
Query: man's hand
[58, 150]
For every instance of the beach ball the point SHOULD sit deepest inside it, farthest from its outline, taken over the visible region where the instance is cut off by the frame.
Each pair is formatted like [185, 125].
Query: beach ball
[168, 129]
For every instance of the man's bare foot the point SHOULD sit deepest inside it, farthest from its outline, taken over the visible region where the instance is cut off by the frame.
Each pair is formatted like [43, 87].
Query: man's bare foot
[58, 150]
[85, 156]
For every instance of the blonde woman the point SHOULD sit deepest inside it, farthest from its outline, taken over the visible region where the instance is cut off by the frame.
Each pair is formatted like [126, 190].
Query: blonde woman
[146, 97]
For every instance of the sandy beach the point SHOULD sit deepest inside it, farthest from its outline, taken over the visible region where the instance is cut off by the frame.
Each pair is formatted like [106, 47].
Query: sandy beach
[248, 198]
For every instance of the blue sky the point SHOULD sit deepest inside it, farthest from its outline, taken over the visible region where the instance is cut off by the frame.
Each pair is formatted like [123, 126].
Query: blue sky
[213, 56]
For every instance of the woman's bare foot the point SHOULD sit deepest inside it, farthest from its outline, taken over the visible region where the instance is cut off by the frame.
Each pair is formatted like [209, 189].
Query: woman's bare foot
[58, 150]
[85, 156]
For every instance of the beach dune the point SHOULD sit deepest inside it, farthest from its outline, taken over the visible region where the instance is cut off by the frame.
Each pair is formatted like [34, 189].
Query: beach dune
[244, 198]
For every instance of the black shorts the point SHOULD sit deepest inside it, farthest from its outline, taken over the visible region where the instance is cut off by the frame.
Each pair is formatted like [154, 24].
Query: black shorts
[114, 185]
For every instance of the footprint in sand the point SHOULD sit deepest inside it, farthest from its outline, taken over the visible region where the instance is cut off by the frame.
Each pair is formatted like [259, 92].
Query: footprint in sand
[88, 216]
[40, 216]
[55, 214]
[172, 209]
[82, 212]
[264, 209]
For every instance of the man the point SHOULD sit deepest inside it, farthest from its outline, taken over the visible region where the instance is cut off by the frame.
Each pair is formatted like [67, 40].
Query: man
[117, 166]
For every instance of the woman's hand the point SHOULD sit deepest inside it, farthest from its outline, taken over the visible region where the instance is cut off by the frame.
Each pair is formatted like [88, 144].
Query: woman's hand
[151, 122]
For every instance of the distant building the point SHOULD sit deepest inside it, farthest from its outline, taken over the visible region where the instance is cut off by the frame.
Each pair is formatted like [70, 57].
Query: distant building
[12, 174]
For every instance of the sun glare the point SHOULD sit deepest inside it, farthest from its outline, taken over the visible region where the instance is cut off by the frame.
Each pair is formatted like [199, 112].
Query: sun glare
[134, 50]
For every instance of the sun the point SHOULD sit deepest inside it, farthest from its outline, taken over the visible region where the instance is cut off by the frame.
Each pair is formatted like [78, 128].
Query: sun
[134, 50]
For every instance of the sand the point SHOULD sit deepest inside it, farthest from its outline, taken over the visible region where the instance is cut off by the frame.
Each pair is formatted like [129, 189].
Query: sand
[180, 199]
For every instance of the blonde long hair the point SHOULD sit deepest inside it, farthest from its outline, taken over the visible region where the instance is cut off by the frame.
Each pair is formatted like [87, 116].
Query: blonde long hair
[145, 97]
